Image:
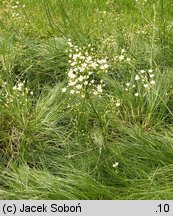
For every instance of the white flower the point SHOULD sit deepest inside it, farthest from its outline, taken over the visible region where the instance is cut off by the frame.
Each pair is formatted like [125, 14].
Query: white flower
[115, 164]
[150, 70]
[72, 83]
[142, 71]
[123, 51]
[72, 91]
[121, 57]
[75, 69]
[71, 75]
[145, 85]
[152, 82]
[136, 94]
[94, 65]
[137, 77]
[31, 92]
[118, 104]
[64, 89]
[86, 77]
[99, 88]
[127, 84]
[75, 56]
[73, 64]
[84, 65]
[103, 61]
[20, 86]
[79, 86]
[95, 93]
[151, 75]
[89, 58]
[81, 56]
[70, 43]
[105, 66]
[81, 69]
[80, 78]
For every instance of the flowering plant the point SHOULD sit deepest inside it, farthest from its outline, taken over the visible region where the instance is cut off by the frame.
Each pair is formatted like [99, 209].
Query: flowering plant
[85, 71]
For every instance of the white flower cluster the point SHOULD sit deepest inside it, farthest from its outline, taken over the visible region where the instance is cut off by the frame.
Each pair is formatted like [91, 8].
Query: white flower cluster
[122, 57]
[13, 7]
[113, 105]
[85, 71]
[145, 78]
[18, 94]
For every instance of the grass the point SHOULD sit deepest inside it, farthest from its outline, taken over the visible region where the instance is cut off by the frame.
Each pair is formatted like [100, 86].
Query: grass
[58, 145]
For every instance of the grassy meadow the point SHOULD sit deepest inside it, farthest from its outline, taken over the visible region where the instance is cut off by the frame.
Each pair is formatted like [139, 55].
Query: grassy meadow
[86, 99]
